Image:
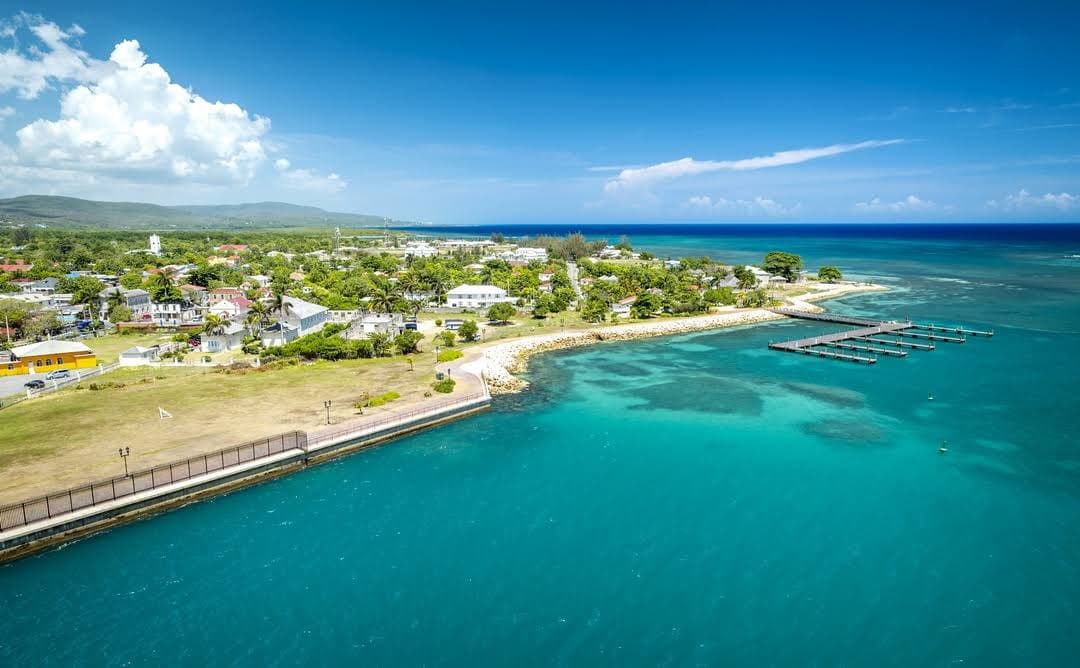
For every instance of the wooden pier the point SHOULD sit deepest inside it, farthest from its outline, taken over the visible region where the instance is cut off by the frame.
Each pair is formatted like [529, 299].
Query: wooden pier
[870, 338]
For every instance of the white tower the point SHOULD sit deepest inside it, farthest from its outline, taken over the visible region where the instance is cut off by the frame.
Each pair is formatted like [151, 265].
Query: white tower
[155, 244]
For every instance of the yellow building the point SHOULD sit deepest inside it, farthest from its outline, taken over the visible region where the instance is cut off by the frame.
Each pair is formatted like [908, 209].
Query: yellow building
[46, 356]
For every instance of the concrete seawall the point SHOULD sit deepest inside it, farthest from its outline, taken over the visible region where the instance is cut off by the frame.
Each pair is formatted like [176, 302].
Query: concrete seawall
[322, 446]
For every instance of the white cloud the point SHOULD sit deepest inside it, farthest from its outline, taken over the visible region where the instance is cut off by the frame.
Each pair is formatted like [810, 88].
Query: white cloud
[125, 120]
[642, 177]
[959, 110]
[306, 179]
[57, 59]
[1024, 200]
[910, 204]
[6, 113]
[135, 122]
[703, 204]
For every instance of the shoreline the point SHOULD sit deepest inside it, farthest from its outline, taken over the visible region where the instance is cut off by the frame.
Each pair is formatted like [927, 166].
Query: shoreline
[498, 364]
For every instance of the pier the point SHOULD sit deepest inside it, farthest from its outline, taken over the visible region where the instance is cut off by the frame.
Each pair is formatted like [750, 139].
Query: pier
[870, 338]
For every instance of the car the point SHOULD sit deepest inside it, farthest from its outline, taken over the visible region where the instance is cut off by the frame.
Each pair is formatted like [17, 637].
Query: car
[35, 384]
[58, 374]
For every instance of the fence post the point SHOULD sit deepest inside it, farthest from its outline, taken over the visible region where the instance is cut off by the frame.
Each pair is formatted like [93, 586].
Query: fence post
[114, 489]
[71, 502]
[23, 513]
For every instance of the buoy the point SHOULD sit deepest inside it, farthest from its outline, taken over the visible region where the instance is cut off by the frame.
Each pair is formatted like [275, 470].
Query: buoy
[930, 396]
[944, 447]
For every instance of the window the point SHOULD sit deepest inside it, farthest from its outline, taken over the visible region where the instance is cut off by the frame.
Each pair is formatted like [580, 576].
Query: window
[37, 363]
[59, 360]
[48, 362]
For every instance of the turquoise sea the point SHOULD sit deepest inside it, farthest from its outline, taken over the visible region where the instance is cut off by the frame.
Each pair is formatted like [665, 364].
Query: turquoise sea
[693, 500]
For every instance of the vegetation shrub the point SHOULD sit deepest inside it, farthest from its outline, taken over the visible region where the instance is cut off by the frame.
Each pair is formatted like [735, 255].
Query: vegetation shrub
[450, 355]
[445, 386]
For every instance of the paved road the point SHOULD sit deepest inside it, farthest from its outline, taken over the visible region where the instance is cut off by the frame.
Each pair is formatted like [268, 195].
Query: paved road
[572, 272]
[12, 384]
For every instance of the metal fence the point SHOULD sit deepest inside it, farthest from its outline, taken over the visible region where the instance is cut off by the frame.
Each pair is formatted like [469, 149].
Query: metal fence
[77, 377]
[392, 418]
[96, 493]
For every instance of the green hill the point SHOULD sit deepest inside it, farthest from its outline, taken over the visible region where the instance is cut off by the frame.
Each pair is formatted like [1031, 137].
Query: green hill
[73, 212]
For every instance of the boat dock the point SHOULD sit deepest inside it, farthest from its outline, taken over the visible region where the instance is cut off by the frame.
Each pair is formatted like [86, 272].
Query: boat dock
[870, 338]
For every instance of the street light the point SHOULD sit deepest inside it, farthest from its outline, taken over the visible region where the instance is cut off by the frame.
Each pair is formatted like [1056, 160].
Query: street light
[124, 452]
[436, 358]
[326, 404]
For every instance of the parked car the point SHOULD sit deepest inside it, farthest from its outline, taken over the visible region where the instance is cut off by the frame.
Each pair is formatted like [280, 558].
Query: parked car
[35, 384]
[59, 374]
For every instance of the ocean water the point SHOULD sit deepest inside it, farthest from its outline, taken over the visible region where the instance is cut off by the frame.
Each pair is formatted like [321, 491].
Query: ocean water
[692, 500]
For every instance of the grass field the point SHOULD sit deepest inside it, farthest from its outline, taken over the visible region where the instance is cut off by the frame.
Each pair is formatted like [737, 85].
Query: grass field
[71, 437]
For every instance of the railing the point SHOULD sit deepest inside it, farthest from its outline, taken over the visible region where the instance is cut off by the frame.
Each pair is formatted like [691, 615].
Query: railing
[368, 426]
[96, 493]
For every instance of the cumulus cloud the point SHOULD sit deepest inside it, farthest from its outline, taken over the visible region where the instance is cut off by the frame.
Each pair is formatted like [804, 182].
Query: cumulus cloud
[124, 119]
[706, 205]
[642, 177]
[56, 59]
[1062, 201]
[6, 113]
[134, 120]
[910, 204]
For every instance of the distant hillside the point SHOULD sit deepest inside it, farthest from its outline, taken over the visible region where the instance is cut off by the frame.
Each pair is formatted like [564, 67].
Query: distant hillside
[71, 211]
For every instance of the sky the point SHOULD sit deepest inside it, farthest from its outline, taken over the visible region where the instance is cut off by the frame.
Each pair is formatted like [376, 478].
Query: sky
[551, 112]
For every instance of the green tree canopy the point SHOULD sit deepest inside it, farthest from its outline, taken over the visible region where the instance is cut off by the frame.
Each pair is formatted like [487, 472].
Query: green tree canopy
[780, 263]
[829, 274]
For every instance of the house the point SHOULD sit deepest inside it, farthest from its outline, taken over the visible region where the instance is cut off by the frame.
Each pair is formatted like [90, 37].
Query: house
[300, 318]
[45, 286]
[15, 266]
[476, 296]
[763, 277]
[525, 255]
[621, 308]
[420, 249]
[140, 355]
[155, 244]
[233, 248]
[138, 301]
[196, 294]
[376, 323]
[231, 337]
[728, 281]
[224, 294]
[233, 308]
[173, 313]
[47, 356]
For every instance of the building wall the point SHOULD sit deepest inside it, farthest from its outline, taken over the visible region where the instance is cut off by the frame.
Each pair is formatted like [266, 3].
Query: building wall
[47, 363]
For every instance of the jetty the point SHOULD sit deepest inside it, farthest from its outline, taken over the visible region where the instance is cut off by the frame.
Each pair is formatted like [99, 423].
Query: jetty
[870, 338]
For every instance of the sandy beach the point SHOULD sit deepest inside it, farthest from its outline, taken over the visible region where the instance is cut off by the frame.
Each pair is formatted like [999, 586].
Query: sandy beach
[498, 363]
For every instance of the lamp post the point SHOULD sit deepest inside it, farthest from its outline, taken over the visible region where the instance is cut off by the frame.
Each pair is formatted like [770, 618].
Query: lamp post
[124, 452]
[326, 404]
[436, 359]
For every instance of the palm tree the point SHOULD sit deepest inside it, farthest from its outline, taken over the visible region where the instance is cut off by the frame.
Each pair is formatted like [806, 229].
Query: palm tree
[383, 297]
[279, 305]
[163, 285]
[215, 324]
[259, 313]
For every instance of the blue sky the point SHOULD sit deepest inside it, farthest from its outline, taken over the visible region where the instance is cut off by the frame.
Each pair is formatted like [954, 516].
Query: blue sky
[571, 112]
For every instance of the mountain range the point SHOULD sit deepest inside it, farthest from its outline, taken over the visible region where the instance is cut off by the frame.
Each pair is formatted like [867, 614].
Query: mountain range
[73, 212]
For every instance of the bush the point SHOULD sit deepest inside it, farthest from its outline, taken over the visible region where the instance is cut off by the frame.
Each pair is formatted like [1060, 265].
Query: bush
[408, 341]
[447, 338]
[445, 386]
[382, 399]
[450, 355]
[501, 312]
[469, 331]
[438, 322]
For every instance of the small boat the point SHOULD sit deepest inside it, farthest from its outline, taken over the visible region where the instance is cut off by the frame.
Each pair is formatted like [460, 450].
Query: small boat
[930, 396]
[944, 447]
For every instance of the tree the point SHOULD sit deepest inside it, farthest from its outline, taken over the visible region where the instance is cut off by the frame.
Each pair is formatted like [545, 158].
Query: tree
[745, 277]
[119, 313]
[594, 309]
[447, 338]
[723, 296]
[501, 312]
[380, 344]
[131, 280]
[215, 324]
[469, 331]
[20, 236]
[829, 274]
[383, 297]
[163, 286]
[408, 341]
[754, 299]
[84, 289]
[43, 322]
[645, 305]
[779, 263]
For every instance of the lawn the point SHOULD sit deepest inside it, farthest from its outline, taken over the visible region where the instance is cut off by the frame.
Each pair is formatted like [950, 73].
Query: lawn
[71, 437]
[108, 348]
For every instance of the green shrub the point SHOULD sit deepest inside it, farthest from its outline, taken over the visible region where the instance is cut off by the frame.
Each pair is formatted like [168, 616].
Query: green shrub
[446, 385]
[382, 399]
[450, 355]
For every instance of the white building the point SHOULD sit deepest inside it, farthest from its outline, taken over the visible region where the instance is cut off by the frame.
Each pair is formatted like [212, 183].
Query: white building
[621, 309]
[420, 249]
[525, 254]
[174, 313]
[476, 296]
[230, 337]
[140, 356]
[155, 244]
[301, 318]
[376, 323]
